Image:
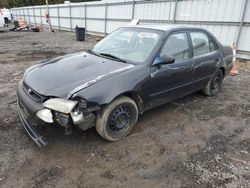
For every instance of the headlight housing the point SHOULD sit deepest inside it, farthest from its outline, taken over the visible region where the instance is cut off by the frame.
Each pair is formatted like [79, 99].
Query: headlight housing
[60, 105]
[45, 115]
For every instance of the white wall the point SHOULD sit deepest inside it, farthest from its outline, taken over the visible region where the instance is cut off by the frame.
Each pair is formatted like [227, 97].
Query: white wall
[221, 17]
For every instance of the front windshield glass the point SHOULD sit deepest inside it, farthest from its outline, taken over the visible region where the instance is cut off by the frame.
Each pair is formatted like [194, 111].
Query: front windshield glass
[130, 44]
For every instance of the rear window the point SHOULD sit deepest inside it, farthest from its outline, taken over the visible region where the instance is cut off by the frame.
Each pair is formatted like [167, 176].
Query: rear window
[202, 44]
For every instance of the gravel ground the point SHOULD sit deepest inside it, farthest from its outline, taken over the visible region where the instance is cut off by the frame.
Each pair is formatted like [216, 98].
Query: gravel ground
[192, 142]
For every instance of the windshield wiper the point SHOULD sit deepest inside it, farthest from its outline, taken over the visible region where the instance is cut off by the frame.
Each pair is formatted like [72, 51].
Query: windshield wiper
[113, 57]
[93, 52]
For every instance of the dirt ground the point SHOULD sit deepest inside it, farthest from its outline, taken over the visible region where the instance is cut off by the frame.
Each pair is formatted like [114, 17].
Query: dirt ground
[192, 142]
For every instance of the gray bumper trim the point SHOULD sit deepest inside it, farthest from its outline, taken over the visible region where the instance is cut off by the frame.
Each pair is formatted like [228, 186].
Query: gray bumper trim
[29, 129]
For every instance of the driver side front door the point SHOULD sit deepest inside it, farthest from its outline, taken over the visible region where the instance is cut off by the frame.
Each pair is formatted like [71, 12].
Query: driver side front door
[171, 81]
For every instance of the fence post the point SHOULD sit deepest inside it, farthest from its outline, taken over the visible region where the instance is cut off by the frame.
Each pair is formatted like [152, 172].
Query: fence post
[70, 18]
[58, 17]
[24, 16]
[28, 15]
[106, 14]
[49, 19]
[34, 14]
[241, 22]
[41, 15]
[175, 11]
[133, 9]
[85, 17]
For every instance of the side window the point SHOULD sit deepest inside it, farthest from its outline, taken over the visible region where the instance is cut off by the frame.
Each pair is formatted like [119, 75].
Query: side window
[176, 46]
[212, 46]
[201, 44]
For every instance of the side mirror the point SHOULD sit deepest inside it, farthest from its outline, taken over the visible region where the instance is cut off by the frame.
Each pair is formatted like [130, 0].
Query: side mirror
[164, 60]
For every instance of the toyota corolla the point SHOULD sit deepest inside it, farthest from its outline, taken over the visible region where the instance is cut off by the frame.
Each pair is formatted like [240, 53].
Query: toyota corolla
[132, 70]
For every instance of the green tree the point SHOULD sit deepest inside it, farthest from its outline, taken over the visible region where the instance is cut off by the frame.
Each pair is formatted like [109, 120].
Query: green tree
[20, 3]
[3, 3]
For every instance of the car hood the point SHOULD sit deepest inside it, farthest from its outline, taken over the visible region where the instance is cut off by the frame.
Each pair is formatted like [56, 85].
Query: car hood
[64, 76]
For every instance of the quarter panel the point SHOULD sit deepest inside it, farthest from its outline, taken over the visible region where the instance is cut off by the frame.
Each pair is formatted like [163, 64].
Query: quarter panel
[204, 68]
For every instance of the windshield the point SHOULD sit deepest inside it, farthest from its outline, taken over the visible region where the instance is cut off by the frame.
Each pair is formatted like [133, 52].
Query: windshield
[130, 44]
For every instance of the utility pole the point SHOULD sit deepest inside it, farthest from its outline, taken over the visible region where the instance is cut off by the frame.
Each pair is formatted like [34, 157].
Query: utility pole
[48, 17]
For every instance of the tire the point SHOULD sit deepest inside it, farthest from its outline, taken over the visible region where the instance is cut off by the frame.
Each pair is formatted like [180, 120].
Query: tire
[214, 85]
[116, 120]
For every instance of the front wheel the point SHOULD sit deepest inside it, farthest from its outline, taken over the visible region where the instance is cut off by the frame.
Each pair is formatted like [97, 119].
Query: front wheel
[116, 120]
[213, 86]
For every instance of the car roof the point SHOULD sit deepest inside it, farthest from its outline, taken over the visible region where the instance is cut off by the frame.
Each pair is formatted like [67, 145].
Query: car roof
[164, 27]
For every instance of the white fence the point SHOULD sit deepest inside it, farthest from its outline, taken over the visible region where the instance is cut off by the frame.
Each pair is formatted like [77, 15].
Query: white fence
[228, 20]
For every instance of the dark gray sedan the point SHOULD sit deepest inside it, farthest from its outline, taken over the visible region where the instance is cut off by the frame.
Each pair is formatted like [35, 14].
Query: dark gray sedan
[130, 71]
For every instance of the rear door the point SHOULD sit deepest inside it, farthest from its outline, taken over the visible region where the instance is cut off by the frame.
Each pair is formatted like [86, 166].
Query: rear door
[173, 80]
[206, 57]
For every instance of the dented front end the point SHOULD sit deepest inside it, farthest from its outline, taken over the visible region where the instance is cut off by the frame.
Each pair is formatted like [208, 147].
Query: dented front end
[64, 112]
[69, 90]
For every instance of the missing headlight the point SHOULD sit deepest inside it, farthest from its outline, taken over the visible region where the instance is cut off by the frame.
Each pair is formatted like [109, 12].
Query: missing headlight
[62, 119]
[81, 105]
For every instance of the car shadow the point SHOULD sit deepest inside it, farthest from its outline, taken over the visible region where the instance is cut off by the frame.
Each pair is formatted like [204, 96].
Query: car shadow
[151, 117]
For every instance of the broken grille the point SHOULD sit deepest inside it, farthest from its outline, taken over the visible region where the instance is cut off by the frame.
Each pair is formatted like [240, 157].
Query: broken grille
[33, 94]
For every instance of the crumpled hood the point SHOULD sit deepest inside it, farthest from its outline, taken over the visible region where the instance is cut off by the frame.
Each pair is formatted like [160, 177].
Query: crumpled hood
[63, 76]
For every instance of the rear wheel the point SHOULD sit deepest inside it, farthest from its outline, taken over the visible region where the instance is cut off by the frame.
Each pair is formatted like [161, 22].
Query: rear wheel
[213, 86]
[116, 120]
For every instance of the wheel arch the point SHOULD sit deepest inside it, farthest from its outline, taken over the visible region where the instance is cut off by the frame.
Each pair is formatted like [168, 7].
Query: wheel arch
[135, 96]
[223, 71]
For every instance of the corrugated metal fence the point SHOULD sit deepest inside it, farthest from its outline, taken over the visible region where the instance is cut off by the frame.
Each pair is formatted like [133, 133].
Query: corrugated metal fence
[228, 20]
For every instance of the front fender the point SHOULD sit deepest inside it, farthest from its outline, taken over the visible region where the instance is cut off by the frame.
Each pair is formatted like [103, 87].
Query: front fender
[105, 91]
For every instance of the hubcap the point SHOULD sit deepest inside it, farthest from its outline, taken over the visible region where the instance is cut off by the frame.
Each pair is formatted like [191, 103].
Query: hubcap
[119, 119]
[216, 83]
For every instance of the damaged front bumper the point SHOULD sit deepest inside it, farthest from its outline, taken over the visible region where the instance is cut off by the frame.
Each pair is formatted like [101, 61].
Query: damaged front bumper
[42, 112]
[34, 135]
[26, 110]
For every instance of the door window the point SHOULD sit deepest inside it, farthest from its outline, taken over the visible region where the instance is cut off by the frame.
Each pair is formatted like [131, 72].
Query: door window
[201, 44]
[176, 46]
[212, 46]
